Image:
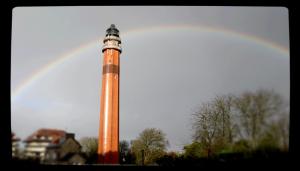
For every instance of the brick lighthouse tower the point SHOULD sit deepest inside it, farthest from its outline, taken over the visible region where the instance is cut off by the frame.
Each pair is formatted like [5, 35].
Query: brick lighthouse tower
[108, 145]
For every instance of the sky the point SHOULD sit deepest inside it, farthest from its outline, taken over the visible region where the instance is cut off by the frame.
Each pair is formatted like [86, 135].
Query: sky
[174, 59]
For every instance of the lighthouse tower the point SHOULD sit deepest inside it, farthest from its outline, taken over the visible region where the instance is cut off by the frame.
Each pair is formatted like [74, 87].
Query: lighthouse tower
[108, 143]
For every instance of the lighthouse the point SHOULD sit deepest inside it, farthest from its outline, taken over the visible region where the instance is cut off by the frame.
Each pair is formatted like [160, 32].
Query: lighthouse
[108, 142]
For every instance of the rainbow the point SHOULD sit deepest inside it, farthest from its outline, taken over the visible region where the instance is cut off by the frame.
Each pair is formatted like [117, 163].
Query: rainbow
[81, 49]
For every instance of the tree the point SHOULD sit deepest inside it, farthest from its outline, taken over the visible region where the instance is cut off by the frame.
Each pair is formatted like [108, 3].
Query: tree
[223, 106]
[126, 156]
[247, 121]
[213, 124]
[283, 131]
[149, 146]
[169, 159]
[90, 147]
[256, 111]
[241, 146]
[124, 149]
[276, 135]
[193, 150]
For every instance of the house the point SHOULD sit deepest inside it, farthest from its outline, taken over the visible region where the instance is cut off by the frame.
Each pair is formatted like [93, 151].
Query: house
[66, 152]
[15, 145]
[53, 146]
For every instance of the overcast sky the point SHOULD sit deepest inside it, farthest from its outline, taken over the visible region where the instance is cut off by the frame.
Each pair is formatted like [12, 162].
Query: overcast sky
[166, 73]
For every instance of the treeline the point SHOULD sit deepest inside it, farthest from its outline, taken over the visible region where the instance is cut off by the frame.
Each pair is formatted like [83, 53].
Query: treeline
[146, 149]
[248, 122]
[229, 127]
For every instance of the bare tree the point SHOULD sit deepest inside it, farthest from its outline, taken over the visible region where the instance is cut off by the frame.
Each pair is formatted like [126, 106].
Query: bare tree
[277, 134]
[205, 125]
[256, 112]
[223, 106]
[213, 124]
[283, 125]
[252, 118]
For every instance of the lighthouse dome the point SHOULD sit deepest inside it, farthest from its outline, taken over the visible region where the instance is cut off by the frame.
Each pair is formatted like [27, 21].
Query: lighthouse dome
[112, 30]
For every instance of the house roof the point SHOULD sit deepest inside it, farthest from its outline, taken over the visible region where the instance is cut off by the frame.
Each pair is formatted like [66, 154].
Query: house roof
[52, 135]
[14, 137]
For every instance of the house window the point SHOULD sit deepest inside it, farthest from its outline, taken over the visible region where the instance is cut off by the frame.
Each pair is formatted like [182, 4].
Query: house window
[47, 156]
[52, 156]
[36, 154]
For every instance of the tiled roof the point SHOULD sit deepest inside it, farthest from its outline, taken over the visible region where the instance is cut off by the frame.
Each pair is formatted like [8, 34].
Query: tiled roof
[52, 135]
[14, 137]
